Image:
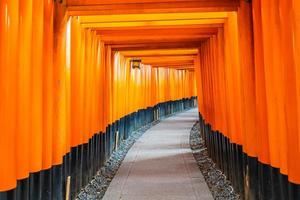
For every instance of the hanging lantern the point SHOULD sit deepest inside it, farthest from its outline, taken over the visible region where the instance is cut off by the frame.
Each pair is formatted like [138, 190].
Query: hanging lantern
[136, 63]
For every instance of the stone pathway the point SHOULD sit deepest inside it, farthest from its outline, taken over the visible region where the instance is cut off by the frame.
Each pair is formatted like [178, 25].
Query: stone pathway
[160, 165]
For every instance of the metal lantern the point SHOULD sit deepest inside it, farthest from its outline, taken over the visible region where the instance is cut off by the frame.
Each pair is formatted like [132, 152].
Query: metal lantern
[136, 63]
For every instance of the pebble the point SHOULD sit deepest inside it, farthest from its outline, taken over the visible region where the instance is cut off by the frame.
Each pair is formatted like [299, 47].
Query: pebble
[100, 182]
[220, 187]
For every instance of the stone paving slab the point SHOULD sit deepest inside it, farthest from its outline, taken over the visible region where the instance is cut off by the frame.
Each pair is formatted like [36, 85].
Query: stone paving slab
[160, 165]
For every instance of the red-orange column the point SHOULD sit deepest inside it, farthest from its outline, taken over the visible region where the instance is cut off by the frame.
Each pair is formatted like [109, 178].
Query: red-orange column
[76, 84]
[47, 84]
[198, 77]
[296, 52]
[24, 90]
[59, 87]
[260, 88]
[247, 78]
[274, 87]
[9, 19]
[290, 81]
[233, 80]
[222, 82]
[36, 137]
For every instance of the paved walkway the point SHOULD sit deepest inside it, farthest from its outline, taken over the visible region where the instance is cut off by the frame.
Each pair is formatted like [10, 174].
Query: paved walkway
[160, 165]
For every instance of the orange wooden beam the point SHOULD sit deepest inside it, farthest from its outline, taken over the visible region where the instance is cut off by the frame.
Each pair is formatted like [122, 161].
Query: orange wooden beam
[170, 64]
[203, 3]
[153, 23]
[150, 39]
[141, 17]
[160, 52]
[84, 7]
[169, 27]
[179, 30]
[156, 45]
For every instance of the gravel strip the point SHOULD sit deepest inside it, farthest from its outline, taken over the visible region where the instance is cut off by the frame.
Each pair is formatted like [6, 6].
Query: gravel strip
[217, 182]
[100, 182]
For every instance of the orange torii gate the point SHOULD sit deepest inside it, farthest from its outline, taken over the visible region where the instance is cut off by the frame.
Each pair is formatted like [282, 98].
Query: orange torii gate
[66, 86]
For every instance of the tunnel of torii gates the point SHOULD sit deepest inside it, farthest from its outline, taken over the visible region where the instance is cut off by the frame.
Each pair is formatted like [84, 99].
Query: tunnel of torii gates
[67, 86]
